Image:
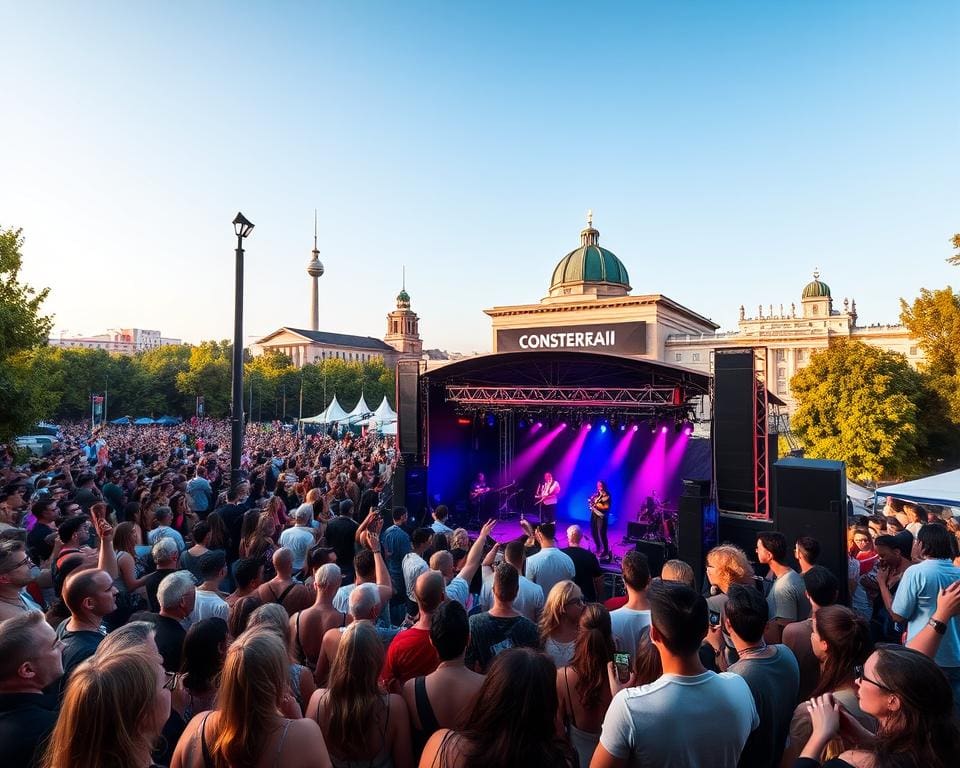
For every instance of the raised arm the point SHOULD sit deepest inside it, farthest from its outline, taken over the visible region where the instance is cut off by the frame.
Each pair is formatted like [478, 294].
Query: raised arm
[475, 555]
[384, 583]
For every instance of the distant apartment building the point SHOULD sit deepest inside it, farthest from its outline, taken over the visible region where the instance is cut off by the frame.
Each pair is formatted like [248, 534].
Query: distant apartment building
[123, 341]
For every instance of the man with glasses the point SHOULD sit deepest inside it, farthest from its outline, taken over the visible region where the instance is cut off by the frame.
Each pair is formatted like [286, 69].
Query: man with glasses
[17, 571]
[30, 660]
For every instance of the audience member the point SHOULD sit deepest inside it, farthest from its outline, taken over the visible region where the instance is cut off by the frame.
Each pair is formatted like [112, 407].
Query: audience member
[628, 621]
[530, 597]
[550, 565]
[786, 599]
[588, 575]
[560, 622]
[502, 627]
[822, 589]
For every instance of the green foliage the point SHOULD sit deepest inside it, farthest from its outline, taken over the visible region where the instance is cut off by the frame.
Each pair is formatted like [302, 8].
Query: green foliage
[862, 405]
[934, 320]
[209, 374]
[23, 396]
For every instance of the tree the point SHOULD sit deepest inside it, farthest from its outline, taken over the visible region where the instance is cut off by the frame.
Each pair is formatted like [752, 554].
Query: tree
[861, 405]
[934, 320]
[955, 259]
[209, 373]
[22, 328]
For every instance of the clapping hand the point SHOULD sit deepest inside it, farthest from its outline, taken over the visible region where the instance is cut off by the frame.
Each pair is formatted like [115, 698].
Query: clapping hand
[824, 716]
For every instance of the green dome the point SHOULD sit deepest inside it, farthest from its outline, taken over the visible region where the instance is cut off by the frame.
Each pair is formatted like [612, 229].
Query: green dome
[590, 264]
[403, 296]
[816, 289]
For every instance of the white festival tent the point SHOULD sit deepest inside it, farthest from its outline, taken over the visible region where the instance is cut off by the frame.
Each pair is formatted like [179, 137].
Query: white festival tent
[333, 413]
[360, 411]
[384, 412]
[384, 419]
[942, 489]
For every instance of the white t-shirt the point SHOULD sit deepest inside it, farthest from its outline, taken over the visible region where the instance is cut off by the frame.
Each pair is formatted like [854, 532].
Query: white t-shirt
[548, 567]
[626, 624]
[681, 722]
[298, 540]
[529, 600]
[208, 605]
[458, 589]
[341, 600]
[413, 565]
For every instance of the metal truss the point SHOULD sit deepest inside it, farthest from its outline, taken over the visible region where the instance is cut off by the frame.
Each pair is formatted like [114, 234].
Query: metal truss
[761, 409]
[591, 397]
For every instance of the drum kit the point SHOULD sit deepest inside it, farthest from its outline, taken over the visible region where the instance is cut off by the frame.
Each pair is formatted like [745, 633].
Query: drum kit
[656, 520]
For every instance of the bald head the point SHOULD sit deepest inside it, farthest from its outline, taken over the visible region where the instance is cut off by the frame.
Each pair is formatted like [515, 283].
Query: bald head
[429, 591]
[82, 588]
[283, 562]
[442, 561]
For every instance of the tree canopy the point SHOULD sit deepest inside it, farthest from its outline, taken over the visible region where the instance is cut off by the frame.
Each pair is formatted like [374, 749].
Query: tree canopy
[934, 320]
[23, 397]
[863, 406]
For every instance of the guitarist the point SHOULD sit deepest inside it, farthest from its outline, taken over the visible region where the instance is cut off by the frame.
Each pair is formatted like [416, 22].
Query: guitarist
[478, 494]
[600, 507]
[548, 492]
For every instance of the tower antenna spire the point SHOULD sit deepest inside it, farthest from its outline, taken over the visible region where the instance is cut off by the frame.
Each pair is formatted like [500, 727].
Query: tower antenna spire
[314, 229]
[403, 277]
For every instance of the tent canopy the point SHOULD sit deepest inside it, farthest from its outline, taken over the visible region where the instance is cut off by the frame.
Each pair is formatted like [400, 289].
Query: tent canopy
[384, 412]
[121, 420]
[143, 421]
[334, 412]
[168, 421]
[942, 489]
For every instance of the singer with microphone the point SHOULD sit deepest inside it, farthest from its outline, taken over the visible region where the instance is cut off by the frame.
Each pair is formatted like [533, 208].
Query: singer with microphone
[548, 493]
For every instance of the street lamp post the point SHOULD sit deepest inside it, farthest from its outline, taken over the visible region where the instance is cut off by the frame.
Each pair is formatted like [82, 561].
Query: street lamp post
[243, 228]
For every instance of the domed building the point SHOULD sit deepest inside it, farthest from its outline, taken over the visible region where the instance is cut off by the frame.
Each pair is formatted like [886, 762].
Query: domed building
[589, 307]
[791, 337]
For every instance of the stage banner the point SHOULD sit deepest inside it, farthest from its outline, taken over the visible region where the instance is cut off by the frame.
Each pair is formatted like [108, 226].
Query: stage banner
[616, 338]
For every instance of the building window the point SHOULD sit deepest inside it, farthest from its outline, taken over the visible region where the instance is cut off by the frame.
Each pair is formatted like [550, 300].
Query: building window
[801, 355]
[696, 357]
[781, 355]
[678, 356]
[781, 372]
[913, 351]
[781, 386]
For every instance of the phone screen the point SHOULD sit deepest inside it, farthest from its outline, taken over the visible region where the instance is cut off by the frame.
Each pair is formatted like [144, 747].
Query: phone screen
[622, 662]
[714, 618]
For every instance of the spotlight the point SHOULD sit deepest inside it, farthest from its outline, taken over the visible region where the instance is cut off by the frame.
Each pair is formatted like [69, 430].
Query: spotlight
[563, 425]
[491, 420]
[663, 429]
[635, 427]
[539, 424]
[603, 428]
[623, 427]
[587, 426]
[522, 423]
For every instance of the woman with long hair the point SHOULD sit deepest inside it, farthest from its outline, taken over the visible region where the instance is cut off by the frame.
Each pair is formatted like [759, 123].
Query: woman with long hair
[204, 649]
[274, 617]
[218, 532]
[841, 641]
[278, 510]
[130, 575]
[560, 620]
[727, 564]
[582, 687]
[258, 544]
[513, 722]
[360, 722]
[113, 712]
[247, 728]
[912, 702]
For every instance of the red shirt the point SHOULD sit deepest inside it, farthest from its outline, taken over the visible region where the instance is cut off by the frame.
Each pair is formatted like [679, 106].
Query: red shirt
[615, 602]
[409, 655]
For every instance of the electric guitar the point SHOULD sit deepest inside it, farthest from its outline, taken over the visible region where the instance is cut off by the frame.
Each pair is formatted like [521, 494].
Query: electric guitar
[599, 504]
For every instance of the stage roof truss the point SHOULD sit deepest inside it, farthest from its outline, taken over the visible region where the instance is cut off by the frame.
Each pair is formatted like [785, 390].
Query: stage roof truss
[638, 399]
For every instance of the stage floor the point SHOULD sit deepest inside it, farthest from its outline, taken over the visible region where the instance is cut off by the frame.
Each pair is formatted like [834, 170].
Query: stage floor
[509, 529]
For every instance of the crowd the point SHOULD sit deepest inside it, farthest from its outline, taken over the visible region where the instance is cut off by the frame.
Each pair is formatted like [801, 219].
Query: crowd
[155, 613]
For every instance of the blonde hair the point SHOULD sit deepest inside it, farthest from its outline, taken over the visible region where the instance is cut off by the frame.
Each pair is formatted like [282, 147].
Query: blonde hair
[274, 618]
[105, 719]
[555, 606]
[460, 539]
[355, 699]
[730, 565]
[252, 684]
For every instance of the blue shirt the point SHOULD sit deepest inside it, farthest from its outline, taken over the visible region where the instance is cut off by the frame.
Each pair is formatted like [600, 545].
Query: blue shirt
[916, 600]
[396, 544]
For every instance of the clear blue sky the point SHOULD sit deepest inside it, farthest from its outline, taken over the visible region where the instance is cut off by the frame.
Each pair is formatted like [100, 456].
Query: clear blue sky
[726, 149]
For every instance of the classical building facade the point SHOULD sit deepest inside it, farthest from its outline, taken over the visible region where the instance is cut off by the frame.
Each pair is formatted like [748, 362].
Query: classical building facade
[589, 307]
[402, 341]
[791, 337]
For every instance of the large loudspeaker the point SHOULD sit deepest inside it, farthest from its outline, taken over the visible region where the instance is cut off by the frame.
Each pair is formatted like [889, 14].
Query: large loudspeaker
[657, 552]
[696, 525]
[410, 489]
[810, 498]
[733, 429]
[408, 407]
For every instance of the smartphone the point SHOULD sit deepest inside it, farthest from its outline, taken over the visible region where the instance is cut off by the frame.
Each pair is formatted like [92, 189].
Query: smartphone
[622, 662]
[714, 618]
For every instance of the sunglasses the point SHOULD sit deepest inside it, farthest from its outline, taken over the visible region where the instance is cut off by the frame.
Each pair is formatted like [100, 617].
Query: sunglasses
[858, 672]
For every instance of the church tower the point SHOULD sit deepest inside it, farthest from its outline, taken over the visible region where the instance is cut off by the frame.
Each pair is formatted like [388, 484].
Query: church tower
[403, 332]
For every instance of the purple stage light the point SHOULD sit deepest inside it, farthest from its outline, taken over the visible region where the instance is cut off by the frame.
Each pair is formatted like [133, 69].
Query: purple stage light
[688, 431]
[635, 427]
[663, 429]
[588, 426]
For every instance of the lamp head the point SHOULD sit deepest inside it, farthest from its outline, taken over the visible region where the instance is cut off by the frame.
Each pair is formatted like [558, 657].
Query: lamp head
[241, 226]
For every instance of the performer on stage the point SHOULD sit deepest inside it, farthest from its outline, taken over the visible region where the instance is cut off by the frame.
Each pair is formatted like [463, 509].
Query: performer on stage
[548, 492]
[599, 508]
[478, 494]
